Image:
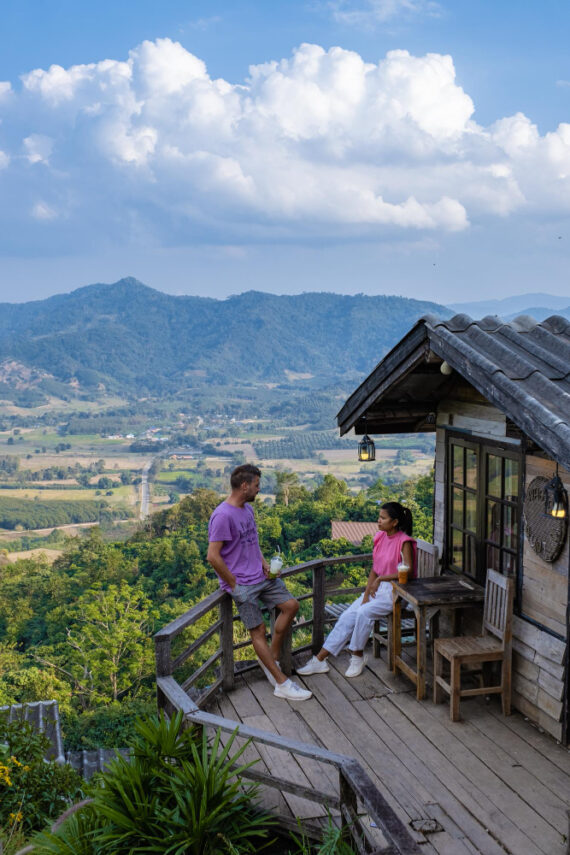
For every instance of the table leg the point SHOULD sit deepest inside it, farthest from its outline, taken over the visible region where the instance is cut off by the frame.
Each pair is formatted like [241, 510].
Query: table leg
[397, 632]
[421, 653]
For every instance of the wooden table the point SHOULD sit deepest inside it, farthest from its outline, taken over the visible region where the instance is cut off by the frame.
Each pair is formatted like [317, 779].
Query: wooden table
[426, 597]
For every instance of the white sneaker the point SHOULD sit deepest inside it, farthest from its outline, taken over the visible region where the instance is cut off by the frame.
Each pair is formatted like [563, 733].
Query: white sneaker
[356, 666]
[291, 691]
[268, 673]
[313, 666]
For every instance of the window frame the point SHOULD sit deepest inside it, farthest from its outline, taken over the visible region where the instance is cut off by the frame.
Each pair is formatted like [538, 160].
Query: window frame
[483, 446]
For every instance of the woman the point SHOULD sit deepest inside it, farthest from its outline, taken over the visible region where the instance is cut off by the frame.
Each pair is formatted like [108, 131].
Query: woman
[354, 624]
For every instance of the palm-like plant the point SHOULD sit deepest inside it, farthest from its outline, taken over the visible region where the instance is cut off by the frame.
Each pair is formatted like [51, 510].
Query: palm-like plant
[176, 795]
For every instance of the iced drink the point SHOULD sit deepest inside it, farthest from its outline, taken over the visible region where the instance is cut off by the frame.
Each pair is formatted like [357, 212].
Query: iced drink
[275, 566]
[403, 571]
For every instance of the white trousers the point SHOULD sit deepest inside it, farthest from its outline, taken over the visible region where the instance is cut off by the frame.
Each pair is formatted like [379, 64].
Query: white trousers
[355, 624]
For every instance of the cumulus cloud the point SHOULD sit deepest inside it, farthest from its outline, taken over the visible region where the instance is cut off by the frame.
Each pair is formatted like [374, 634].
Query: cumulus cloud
[319, 144]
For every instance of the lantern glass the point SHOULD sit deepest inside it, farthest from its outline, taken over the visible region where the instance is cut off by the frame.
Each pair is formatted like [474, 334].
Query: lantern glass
[366, 449]
[556, 499]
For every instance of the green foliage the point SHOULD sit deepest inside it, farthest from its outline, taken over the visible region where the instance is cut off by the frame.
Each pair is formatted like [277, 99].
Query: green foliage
[32, 790]
[108, 726]
[42, 514]
[175, 795]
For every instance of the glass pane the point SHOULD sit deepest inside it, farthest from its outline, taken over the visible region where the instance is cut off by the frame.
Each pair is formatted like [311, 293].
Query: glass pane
[457, 549]
[494, 475]
[494, 522]
[471, 511]
[470, 560]
[509, 563]
[458, 464]
[493, 558]
[471, 468]
[458, 507]
[511, 479]
[510, 532]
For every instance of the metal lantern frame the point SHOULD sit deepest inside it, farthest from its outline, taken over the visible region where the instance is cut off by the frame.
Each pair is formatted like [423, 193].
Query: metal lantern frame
[556, 498]
[366, 449]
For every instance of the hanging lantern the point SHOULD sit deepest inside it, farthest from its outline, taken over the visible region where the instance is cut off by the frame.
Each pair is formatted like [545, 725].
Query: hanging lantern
[366, 449]
[556, 498]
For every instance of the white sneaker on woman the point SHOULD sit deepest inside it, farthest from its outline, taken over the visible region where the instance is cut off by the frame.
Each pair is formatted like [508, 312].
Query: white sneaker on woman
[291, 691]
[313, 666]
[356, 666]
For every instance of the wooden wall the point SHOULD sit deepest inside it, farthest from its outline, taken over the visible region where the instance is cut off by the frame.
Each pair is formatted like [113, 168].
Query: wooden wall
[538, 658]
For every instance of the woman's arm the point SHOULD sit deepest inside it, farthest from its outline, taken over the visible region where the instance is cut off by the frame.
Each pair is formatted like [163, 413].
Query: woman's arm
[408, 553]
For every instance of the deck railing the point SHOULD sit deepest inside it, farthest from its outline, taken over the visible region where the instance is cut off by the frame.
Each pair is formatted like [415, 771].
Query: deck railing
[354, 786]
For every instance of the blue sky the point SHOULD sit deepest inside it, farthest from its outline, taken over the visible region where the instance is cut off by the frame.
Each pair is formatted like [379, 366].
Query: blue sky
[378, 146]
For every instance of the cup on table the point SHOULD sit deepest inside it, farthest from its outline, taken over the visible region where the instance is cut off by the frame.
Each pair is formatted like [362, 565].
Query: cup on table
[403, 571]
[275, 566]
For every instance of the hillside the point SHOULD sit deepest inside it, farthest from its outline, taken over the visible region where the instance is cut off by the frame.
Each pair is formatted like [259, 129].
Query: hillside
[131, 338]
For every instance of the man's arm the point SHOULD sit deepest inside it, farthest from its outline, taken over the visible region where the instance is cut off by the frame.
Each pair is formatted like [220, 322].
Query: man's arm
[214, 557]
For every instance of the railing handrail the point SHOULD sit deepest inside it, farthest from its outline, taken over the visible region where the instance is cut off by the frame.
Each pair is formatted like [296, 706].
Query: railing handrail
[179, 624]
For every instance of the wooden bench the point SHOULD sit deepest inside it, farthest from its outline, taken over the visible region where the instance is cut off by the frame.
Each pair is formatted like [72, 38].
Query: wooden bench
[382, 634]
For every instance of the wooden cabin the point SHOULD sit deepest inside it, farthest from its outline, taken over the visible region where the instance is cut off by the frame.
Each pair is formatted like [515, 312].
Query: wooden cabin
[497, 395]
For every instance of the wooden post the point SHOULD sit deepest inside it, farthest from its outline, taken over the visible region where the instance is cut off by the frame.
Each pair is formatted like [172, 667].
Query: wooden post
[318, 607]
[227, 643]
[162, 654]
[347, 799]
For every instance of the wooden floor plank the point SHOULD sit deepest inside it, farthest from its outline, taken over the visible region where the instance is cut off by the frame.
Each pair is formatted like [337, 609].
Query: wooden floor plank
[269, 798]
[500, 757]
[522, 826]
[425, 763]
[350, 734]
[284, 765]
[496, 785]
[543, 743]
[287, 722]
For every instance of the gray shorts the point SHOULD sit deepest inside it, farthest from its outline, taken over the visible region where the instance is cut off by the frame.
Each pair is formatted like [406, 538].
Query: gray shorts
[271, 592]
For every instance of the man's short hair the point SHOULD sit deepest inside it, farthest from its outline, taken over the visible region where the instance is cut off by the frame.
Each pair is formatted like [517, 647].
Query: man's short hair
[246, 472]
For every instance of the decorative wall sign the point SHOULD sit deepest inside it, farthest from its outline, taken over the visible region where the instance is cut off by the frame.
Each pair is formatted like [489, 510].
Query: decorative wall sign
[545, 534]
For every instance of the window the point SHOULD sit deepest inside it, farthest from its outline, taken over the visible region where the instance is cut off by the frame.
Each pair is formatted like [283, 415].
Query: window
[483, 511]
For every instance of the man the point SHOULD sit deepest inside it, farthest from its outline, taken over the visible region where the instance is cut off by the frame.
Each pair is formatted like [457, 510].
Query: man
[235, 555]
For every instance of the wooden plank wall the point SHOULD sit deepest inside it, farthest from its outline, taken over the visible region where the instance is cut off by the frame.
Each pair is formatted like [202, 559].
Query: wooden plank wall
[538, 657]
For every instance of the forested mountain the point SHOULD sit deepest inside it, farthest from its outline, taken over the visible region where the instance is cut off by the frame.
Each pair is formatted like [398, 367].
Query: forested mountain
[130, 337]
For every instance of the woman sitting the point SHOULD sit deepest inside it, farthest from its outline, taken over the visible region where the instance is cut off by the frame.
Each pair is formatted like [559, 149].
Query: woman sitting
[355, 624]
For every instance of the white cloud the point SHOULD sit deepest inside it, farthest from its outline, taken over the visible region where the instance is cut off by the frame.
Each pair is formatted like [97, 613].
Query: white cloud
[38, 148]
[370, 13]
[42, 211]
[320, 144]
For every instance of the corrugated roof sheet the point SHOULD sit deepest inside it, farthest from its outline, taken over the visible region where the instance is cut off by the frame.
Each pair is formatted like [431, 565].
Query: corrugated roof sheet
[354, 532]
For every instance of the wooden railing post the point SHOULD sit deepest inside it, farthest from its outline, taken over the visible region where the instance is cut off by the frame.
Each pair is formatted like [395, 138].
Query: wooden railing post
[318, 607]
[163, 658]
[227, 643]
[348, 806]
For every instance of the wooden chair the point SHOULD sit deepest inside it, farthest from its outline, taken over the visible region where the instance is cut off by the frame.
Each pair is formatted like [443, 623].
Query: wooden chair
[427, 564]
[494, 645]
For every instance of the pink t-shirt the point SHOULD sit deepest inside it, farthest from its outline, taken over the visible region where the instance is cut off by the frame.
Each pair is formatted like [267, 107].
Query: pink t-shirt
[386, 552]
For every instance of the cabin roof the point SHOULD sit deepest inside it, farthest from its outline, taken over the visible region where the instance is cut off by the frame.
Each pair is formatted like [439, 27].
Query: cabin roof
[522, 367]
[354, 532]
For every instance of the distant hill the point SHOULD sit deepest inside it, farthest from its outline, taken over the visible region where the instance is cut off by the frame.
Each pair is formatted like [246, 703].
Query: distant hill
[540, 306]
[130, 338]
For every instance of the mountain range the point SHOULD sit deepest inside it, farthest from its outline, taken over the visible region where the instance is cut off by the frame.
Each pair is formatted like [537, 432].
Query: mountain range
[129, 338]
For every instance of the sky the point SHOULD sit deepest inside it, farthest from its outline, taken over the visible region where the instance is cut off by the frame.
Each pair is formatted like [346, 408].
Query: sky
[407, 147]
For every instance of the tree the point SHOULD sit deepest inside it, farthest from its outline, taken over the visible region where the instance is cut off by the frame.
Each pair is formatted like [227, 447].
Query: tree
[109, 649]
[288, 487]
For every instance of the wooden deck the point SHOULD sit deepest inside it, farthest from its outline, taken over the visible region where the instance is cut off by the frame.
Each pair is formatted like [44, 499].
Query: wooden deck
[487, 784]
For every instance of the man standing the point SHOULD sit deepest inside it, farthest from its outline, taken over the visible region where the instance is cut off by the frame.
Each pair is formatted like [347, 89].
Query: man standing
[243, 572]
